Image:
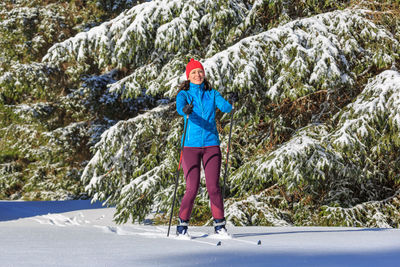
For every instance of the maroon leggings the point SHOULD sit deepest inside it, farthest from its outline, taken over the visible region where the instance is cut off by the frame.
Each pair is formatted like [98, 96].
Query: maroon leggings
[211, 157]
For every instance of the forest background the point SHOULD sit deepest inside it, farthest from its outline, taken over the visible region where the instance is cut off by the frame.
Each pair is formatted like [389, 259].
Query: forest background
[87, 105]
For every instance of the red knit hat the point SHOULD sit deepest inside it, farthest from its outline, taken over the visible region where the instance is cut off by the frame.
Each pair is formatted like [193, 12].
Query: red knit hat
[193, 64]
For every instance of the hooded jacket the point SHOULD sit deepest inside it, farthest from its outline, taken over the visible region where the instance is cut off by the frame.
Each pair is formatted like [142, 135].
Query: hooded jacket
[201, 128]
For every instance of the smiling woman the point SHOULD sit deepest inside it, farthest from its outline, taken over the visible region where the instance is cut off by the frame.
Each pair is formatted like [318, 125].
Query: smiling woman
[195, 72]
[201, 144]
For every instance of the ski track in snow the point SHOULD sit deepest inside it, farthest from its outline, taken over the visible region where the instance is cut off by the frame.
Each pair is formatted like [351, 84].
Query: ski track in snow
[143, 231]
[203, 235]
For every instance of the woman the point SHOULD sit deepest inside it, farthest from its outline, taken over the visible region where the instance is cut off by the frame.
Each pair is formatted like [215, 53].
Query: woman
[198, 100]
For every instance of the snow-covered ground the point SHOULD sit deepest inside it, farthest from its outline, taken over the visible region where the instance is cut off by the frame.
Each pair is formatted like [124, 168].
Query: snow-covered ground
[76, 233]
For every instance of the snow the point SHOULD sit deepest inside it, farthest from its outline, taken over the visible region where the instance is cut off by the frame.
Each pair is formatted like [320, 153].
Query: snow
[77, 233]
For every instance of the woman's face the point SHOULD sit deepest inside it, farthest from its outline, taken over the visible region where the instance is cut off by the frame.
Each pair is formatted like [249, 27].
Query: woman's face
[197, 76]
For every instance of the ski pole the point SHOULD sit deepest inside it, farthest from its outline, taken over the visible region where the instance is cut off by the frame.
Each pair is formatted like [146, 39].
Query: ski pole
[177, 172]
[227, 149]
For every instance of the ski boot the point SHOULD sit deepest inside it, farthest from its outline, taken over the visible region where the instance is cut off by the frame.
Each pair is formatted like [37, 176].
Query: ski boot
[219, 227]
[182, 228]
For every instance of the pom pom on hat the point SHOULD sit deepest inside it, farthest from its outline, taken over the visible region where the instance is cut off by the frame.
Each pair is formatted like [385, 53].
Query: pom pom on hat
[193, 64]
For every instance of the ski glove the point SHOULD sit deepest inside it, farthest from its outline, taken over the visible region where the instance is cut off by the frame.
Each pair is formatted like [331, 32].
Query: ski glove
[188, 109]
[234, 97]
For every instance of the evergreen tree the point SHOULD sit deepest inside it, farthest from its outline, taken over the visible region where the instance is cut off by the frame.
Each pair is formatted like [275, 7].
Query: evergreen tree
[315, 140]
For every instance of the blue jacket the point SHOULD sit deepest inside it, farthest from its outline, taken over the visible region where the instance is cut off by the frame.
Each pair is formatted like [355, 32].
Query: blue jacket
[201, 129]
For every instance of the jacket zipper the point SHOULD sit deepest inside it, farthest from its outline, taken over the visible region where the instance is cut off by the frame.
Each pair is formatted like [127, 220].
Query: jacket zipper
[188, 133]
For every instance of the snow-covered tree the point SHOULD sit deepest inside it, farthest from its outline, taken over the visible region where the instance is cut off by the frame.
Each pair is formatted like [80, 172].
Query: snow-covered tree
[315, 138]
[47, 125]
[325, 54]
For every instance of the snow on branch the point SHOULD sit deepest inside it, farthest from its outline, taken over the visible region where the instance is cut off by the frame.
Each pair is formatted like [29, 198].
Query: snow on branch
[377, 107]
[145, 32]
[290, 61]
[133, 159]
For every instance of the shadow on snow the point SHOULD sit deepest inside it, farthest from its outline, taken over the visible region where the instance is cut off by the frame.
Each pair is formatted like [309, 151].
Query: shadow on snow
[13, 210]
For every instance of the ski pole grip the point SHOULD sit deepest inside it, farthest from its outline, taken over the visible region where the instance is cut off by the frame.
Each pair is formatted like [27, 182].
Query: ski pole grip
[233, 97]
